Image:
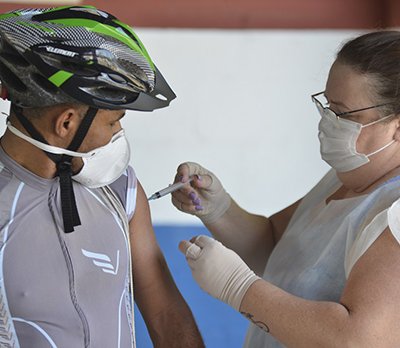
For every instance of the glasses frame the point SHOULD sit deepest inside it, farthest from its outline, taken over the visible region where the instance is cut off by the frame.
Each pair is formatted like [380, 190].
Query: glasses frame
[341, 114]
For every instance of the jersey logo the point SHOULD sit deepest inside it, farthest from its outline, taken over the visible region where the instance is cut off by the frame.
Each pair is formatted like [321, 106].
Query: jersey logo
[103, 261]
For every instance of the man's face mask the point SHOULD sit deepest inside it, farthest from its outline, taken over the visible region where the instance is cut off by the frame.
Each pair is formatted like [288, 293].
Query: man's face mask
[101, 166]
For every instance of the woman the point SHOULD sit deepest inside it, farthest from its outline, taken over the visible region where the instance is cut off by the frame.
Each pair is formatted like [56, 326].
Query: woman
[324, 271]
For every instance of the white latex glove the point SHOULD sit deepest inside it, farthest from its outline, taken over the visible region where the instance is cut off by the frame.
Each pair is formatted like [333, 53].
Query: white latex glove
[218, 270]
[205, 198]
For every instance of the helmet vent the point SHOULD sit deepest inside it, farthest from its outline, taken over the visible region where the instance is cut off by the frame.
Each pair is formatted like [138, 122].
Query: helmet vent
[116, 95]
[44, 83]
[75, 68]
[10, 79]
[15, 59]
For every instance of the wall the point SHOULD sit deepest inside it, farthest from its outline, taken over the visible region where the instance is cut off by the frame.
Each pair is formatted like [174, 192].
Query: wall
[240, 13]
[243, 110]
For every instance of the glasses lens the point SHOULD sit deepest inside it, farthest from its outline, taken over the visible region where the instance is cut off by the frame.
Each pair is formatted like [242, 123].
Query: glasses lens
[329, 113]
[319, 106]
[322, 105]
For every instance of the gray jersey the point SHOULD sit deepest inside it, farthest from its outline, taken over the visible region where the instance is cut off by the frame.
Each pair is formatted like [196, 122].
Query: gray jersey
[62, 289]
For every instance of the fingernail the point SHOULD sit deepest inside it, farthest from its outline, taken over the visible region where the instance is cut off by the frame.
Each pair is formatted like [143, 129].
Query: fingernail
[198, 177]
[192, 195]
[199, 207]
[196, 201]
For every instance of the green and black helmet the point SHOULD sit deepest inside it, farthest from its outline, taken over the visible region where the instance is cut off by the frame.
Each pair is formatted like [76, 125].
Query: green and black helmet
[77, 54]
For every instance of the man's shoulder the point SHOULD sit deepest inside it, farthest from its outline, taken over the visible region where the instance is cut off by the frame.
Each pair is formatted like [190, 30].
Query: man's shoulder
[5, 176]
[125, 188]
[125, 181]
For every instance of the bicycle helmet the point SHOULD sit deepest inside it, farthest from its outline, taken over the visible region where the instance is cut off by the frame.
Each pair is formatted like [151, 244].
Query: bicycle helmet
[77, 54]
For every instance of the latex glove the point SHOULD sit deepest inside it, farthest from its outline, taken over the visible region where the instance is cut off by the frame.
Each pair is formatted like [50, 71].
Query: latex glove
[205, 198]
[218, 270]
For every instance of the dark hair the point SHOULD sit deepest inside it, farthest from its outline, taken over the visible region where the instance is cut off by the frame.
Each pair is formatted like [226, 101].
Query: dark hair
[377, 54]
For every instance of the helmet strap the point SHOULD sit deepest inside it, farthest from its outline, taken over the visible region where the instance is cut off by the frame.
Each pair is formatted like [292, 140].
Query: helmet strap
[63, 164]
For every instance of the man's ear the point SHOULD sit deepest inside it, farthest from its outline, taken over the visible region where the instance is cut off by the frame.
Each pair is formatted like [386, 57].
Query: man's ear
[67, 122]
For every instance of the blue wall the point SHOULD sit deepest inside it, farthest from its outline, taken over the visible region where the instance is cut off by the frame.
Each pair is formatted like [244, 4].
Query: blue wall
[220, 325]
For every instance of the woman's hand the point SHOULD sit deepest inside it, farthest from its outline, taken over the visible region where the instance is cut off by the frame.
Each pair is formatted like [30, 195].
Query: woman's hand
[218, 270]
[205, 197]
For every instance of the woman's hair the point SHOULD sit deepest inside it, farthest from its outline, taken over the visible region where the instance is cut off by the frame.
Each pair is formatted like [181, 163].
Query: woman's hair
[377, 54]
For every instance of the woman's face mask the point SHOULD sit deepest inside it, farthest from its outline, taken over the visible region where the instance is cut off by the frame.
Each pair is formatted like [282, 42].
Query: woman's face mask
[338, 139]
[101, 166]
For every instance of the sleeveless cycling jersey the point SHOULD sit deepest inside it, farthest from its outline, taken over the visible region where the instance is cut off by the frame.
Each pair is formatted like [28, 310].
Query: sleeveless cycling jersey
[58, 289]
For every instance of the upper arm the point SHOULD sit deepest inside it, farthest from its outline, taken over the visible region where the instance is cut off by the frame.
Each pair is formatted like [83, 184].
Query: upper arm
[372, 293]
[153, 285]
[280, 220]
[164, 310]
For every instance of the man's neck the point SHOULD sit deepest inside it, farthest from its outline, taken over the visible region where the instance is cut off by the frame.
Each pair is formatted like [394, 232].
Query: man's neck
[28, 156]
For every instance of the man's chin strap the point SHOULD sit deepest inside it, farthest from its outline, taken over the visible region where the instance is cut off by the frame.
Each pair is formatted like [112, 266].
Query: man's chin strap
[63, 163]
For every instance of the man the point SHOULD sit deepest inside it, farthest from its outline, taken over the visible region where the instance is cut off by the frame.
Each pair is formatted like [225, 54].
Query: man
[73, 215]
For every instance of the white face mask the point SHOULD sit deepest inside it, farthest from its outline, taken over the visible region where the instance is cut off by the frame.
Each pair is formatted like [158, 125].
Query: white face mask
[338, 138]
[101, 166]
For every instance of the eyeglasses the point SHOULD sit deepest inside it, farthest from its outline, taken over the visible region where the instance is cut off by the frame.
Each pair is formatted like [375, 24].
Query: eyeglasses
[323, 110]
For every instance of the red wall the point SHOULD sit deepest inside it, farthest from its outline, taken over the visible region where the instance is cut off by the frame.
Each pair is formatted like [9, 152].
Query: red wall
[246, 13]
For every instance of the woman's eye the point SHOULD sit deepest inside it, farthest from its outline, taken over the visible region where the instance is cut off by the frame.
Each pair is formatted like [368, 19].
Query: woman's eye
[335, 111]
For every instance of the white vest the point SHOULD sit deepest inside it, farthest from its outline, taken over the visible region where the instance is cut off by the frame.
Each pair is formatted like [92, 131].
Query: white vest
[323, 242]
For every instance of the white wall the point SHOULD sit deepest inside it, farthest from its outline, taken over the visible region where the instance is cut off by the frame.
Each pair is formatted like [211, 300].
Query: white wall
[243, 110]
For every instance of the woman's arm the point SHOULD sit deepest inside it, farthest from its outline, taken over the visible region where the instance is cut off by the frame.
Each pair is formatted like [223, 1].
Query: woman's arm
[367, 315]
[252, 237]
[167, 316]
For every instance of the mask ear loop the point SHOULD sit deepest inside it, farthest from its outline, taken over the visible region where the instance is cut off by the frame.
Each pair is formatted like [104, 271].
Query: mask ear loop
[377, 121]
[381, 149]
[32, 131]
[47, 148]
